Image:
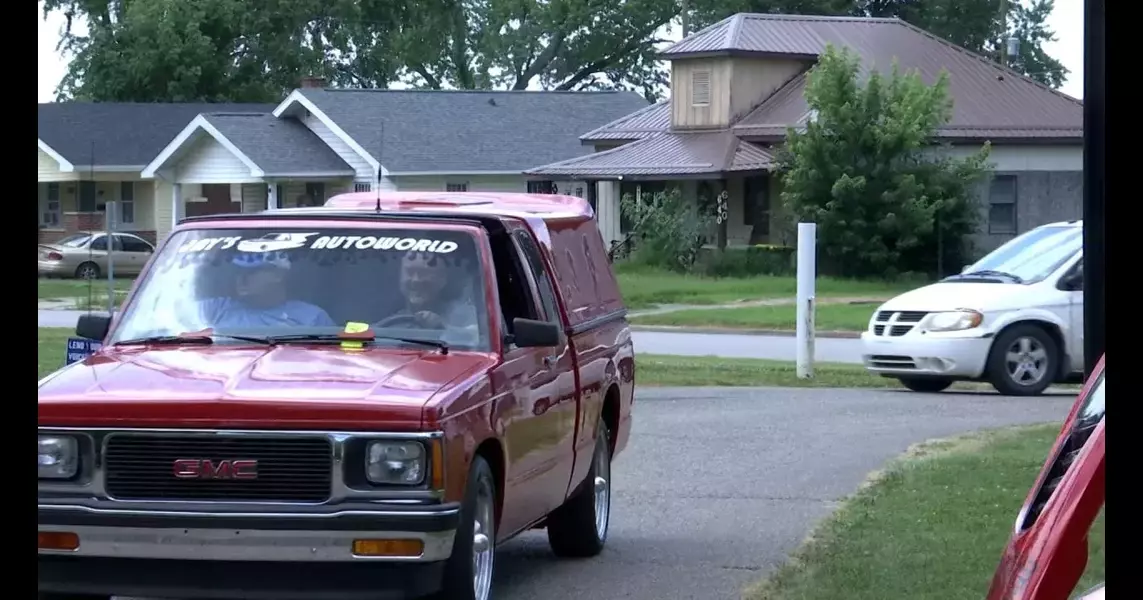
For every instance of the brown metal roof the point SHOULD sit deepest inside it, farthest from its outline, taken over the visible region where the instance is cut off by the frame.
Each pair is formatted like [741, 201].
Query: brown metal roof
[637, 125]
[989, 101]
[666, 154]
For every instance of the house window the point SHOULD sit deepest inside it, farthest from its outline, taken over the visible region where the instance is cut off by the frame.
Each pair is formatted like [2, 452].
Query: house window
[50, 211]
[1002, 204]
[87, 196]
[127, 203]
[541, 187]
[362, 187]
[315, 194]
[578, 191]
[456, 187]
[700, 88]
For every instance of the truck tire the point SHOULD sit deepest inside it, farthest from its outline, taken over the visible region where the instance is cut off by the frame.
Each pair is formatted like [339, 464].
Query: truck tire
[468, 571]
[578, 528]
[926, 384]
[1024, 361]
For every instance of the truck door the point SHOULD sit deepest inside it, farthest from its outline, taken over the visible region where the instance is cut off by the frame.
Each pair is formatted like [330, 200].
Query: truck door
[539, 417]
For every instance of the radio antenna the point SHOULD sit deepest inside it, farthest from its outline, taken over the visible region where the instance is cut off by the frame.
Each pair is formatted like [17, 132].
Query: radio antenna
[380, 157]
[91, 235]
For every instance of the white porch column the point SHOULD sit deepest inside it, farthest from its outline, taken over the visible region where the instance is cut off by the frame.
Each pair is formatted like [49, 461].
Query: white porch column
[178, 207]
[271, 195]
[607, 210]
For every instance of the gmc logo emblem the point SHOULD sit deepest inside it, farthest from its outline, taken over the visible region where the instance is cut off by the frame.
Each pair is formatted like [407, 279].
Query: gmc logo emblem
[196, 468]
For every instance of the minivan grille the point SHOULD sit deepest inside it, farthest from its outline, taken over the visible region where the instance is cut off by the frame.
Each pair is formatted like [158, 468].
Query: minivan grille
[289, 469]
[896, 323]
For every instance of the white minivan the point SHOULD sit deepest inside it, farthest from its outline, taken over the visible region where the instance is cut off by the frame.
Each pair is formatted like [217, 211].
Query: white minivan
[1013, 319]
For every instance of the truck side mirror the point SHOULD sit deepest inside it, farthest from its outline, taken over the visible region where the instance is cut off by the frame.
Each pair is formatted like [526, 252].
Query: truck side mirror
[529, 333]
[93, 326]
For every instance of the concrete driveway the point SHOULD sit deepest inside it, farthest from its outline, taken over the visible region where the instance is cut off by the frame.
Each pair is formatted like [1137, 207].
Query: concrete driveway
[682, 344]
[719, 485]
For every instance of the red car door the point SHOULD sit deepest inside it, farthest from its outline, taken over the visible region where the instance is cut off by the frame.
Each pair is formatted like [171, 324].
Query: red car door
[1047, 553]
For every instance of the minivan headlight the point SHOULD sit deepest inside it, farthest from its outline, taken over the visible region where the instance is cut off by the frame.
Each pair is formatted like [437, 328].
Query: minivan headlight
[395, 462]
[956, 320]
[59, 457]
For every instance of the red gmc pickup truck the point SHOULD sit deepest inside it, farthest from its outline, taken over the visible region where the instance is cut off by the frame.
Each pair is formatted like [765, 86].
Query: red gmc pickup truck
[360, 400]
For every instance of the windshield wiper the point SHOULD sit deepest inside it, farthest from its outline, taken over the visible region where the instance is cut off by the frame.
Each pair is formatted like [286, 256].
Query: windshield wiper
[191, 338]
[993, 273]
[336, 338]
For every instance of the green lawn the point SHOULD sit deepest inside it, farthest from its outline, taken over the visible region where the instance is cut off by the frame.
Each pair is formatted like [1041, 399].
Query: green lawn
[53, 341]
[932, 525]
[73, 289]
[827, 317]
[663, 370]
[643, 288]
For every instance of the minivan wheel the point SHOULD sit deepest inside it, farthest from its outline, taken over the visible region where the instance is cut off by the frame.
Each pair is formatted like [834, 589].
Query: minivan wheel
[1024, 361]
[926, 384]
[578, 528]
[468, 571]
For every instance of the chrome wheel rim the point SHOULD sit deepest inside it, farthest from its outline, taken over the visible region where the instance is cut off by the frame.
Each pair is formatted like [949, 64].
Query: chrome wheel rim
[86, 272]
[1026, 361]
[483, 533]
[602, 483]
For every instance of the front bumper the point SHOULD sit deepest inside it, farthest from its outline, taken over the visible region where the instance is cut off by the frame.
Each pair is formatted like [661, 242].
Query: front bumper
[195, 553]
[928, 355]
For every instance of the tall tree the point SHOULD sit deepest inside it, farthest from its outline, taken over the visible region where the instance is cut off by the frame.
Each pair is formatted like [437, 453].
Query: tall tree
[979, 25]
[898, 204]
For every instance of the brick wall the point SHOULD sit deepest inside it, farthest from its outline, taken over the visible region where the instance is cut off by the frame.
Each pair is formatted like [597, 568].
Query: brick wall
[86, 221]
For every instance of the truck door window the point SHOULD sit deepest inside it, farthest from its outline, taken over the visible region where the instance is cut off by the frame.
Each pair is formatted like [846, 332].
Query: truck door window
[531, 254]
[516, 298]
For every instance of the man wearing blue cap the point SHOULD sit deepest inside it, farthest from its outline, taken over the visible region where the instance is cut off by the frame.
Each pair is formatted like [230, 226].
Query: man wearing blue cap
[260, 298]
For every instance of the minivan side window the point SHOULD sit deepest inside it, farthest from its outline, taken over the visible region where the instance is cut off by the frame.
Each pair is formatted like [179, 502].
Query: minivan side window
[532, 256]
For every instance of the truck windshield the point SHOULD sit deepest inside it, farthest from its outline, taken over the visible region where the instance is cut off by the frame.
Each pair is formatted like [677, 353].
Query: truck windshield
[1030, 257]
[418, 284]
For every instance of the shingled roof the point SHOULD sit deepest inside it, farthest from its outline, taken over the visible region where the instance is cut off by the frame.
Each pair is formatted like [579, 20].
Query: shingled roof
[662, 153]
[421, 131]
[279, 146]
[124, 134]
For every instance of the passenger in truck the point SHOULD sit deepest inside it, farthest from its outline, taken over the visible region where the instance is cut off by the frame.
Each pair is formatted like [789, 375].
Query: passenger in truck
[436, 295]
[261, 298]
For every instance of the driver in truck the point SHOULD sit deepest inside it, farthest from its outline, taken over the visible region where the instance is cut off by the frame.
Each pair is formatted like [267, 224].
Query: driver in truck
[434, 293]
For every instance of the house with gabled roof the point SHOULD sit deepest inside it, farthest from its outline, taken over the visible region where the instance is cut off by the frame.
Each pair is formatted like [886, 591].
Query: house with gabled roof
[738, 85]
[163, 162]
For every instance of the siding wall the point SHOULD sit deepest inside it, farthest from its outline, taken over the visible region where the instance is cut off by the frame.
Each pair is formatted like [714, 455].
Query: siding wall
[360, 165]
[207, 161]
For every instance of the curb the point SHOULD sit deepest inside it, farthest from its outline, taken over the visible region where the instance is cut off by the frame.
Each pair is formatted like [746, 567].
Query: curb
[845, 335]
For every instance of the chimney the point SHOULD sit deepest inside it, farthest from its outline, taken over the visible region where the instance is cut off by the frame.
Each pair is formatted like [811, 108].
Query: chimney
[313, 82]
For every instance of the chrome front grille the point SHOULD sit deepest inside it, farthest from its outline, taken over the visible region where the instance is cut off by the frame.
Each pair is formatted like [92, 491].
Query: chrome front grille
[896, 323]
[288, 468]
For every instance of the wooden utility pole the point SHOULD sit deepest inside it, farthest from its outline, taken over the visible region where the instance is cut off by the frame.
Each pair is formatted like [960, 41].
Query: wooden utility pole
[1002, 50]
[686, 17]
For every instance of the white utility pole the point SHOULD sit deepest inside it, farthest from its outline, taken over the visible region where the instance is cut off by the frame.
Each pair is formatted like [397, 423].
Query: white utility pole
[807, 275]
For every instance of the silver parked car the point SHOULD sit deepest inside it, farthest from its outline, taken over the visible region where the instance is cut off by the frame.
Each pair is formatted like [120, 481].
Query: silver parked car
[85, 255]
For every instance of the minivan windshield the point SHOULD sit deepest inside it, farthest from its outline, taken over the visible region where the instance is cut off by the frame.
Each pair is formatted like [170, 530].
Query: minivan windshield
[1027, 258]
[411, 285]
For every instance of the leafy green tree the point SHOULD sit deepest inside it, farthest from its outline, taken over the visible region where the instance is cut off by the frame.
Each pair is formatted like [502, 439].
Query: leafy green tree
[668, 230]
[865, 170]
[973, 24]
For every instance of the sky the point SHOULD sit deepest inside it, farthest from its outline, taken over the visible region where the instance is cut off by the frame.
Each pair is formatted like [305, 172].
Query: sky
[1066, 21]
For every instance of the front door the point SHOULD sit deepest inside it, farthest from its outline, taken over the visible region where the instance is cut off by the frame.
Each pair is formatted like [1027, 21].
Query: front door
[1075, 313]
[217, 202]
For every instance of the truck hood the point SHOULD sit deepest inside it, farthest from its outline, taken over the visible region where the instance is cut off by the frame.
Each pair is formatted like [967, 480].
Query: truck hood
[287, 386]
[951, 295]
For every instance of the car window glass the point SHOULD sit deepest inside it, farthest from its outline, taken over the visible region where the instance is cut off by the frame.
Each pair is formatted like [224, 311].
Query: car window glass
[403, 282]
[133, 244]
[100, 243]
[531, 254]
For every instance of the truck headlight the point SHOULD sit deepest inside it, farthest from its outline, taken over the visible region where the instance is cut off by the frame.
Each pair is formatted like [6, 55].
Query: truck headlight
[956, 320]
[59, 457]
[395, 463]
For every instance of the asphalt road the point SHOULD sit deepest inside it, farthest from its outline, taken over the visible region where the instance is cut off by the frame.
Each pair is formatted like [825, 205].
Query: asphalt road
[682, 344]
[718, 485]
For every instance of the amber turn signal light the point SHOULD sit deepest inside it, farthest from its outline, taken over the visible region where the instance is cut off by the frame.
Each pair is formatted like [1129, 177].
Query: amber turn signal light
[58, 540]
[388, 548]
